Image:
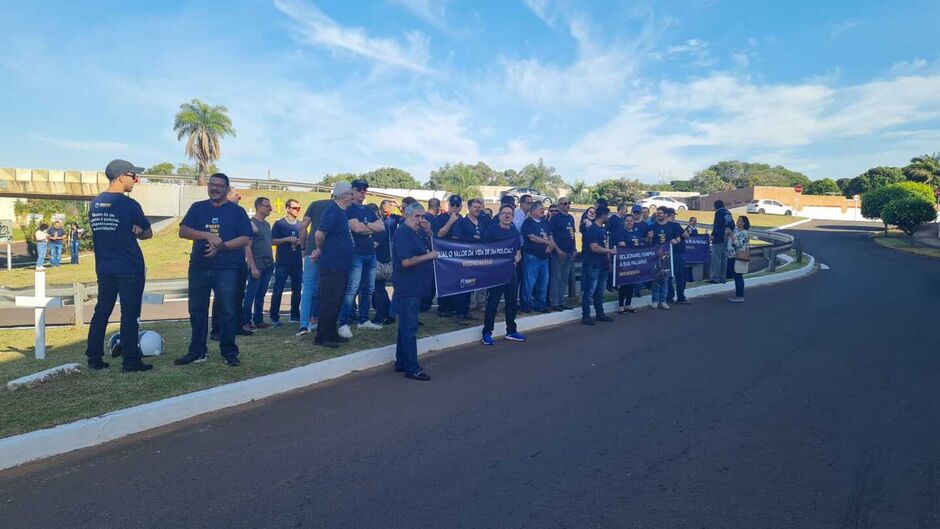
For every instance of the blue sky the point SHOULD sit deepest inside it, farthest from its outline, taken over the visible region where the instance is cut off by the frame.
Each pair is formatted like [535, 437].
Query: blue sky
[598, 89]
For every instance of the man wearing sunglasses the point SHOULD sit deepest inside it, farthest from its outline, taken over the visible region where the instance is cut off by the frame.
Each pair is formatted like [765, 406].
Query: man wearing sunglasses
[288, 263]
[117, 223]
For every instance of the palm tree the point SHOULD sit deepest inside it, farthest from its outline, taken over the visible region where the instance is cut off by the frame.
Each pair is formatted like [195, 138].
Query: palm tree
[205, 125]
[580, 192]
[925, 168]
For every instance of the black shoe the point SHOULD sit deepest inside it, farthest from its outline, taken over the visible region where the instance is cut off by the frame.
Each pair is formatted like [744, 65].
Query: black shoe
[460, 320]
[331, 345]
[670, 301]
[340, 339]
[244, 332]
[138, 367]
[546, 310]
[446, 314]
[387, 321]
[683, 302]
[189, 358]
[470, 317]
[399, 369]
[564, 307]
[98, 364]
[214, 336]
[587, 321]
[525, 311]
[232, 361]
[604, 318]
[420, 375]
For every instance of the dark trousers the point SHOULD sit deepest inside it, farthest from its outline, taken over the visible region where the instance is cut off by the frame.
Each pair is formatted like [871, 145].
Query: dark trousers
[255, 291]
[223, 284]
[241, 279]
[330, 299]
[593, 284]
[406, 348]
[510, 291]
[738, 279]
[381, 302]
[281, 275]
[625, 295]
[446, 304]
[678, 278]
[131, 289]
[462, 304]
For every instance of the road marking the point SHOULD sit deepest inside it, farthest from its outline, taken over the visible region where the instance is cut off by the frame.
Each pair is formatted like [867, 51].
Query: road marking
[823, 266]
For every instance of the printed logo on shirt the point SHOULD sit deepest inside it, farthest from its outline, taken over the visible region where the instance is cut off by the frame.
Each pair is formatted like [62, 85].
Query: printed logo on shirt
[215, 220]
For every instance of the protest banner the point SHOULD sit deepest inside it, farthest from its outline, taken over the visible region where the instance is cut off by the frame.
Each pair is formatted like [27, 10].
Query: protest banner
[642, 264]
[467, 266]
[696, 249]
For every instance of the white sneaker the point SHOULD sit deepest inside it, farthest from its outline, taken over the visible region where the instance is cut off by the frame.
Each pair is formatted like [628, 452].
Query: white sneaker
[654, 305]
[40, 268]
[664, 306]
[369, 325]
[345, 331]
[736, 300]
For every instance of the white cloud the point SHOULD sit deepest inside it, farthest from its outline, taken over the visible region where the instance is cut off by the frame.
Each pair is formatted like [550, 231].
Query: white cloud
[317, 28]
[542, 9]
[741, 58]
[433, 12]
[841, 28]
[696, 49]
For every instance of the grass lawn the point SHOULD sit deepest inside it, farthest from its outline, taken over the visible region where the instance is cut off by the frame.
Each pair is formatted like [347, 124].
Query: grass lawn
[757, 220]
[900, 241]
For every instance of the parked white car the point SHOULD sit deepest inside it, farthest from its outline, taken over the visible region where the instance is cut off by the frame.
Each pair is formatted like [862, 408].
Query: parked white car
[517, 193]
[669, 202]
[771, 207]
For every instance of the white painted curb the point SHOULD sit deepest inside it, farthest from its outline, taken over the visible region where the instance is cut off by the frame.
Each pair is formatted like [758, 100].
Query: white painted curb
[792, 224]
[64, 438]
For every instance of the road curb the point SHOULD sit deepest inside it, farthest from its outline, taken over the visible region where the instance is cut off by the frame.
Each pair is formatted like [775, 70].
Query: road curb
[31, 446]
[792, 224]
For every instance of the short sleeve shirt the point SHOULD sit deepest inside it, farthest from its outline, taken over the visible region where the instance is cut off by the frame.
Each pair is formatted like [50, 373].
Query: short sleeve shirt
[56, 232]
[314, 212]
[228, 221]
[261, 243]
[496, 233]
[287, 254]
[364, 244]
[538, 228]
[414, 281]
[465, 230]
[112, 216]
[723, 220]
[337, 250]
[563, 231]
[595, 234]
[662, 233]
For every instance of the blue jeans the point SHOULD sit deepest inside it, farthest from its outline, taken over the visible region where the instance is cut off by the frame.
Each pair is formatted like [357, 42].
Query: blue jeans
[361, 282]
[281, 275]
[131, 289]
[253, 306]
[75, 243]
[308, 294]
[406, 348]
[224, 284]
[40, 253]
[535, 282]
[55, 253]
[593, 285]
[738, 279]
[660, 289]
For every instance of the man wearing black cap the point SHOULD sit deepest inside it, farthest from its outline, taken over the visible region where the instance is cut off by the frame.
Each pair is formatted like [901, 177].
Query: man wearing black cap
[220, 231]
[364, 224]
[117, 222]
[441, 227]
[721, 228]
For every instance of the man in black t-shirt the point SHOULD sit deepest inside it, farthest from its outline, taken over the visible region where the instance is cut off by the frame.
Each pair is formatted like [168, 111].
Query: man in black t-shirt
[309, 310]
[117, 222]
[721, 228]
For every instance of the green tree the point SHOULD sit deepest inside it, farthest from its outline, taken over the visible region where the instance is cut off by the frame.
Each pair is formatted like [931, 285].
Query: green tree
[909, 213]
[843, 184]
[744, 174]
[618, 190]
[511, 178]
[874, 201]
[708, 181]
[189, 170]
[925, 168]
[542, 177]
[205, 126]
[165, 168]
[826, 186]
[331, 179]
[873, 179]
[682, 185]
[580, 192]
[459, 179]
[391, 177]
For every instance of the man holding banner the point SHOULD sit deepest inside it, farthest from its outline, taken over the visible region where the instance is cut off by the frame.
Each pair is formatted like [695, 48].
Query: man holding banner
[664, 233]
[596, 268]
[503, 230]
[413, 276]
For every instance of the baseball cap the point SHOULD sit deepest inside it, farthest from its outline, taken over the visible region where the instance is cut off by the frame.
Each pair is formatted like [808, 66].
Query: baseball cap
[455, 200]
[359, 184]
[637, 208]
[118, 167]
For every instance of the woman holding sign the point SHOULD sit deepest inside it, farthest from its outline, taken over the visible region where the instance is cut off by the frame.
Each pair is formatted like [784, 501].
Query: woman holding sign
[503, 230]
[628, 236]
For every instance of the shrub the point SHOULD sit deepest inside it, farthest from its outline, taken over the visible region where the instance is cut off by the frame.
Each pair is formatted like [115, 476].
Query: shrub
[874, 201]
[908, 213]
[826, 186]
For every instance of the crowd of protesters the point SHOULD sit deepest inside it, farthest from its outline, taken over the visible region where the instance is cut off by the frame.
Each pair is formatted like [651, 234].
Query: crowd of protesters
[342, 254]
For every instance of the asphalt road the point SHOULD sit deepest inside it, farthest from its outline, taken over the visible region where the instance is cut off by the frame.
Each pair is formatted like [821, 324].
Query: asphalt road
[815, 404]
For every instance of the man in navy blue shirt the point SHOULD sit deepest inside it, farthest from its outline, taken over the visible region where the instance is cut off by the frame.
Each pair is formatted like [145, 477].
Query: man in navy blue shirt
[537, 245]
[365, 226]
[413, 275]
[503, 229]
[467, 229]
[596, 268]
[722, 227]
[562, 259]
[383, 254]
[117, 222]
[663, 232]
[220, 231]
[629, 237]
[441, 225]
[288, 263]
[676, 291]
[334, 252]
